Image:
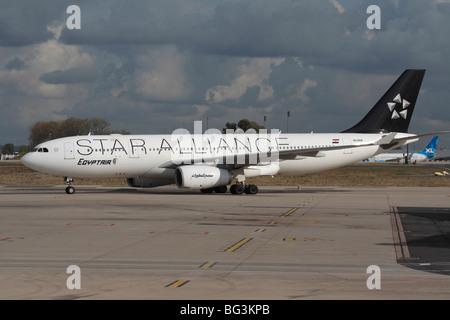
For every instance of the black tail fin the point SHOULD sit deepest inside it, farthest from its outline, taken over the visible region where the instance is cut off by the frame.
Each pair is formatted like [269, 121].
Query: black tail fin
[394, 110]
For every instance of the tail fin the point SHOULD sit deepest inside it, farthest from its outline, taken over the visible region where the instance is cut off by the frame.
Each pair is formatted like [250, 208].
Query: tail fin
[430, 149]
[393, 112]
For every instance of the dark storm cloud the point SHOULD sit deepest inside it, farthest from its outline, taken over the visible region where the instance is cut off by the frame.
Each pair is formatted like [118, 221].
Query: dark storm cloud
[150, 63]
[412, 32]
[236, 28]
[136, 22]
[15, 64]
[24, 23]
[269, 28]
[70, 76]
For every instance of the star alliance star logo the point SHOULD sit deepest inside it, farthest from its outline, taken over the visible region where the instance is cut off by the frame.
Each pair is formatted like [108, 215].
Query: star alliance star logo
[404, 103]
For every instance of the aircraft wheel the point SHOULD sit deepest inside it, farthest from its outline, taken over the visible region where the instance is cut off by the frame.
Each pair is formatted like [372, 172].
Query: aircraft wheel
[251, 189]
[70, 190]
[237, 189]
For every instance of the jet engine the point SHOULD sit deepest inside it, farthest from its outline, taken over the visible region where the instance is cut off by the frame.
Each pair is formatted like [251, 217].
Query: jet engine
[201, 177]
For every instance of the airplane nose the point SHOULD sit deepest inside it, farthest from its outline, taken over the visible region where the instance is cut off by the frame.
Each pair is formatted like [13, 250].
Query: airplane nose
[27, 160]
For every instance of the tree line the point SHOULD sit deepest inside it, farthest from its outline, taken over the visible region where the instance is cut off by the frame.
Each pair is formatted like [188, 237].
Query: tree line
[243, 124]
[43, 131]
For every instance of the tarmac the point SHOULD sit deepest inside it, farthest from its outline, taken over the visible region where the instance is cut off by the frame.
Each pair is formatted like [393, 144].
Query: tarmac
[285, 243]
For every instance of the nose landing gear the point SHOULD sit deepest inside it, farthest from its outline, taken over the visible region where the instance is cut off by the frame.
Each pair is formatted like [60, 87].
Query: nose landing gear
[69, 182]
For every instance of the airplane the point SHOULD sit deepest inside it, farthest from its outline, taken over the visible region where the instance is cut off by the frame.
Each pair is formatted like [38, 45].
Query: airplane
[210, 161]
[428, 153]
[387, 157]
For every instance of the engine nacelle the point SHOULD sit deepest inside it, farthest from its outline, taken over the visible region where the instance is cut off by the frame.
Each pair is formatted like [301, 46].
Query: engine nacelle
[201, 177]
[147, 182]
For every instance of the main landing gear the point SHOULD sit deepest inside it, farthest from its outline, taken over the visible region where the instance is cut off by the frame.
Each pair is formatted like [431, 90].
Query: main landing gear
[70, 188]
[240, 188]
[237, 188]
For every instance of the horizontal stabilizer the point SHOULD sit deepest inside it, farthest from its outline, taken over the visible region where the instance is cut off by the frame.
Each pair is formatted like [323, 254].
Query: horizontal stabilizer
[386, 139]
[420, 136]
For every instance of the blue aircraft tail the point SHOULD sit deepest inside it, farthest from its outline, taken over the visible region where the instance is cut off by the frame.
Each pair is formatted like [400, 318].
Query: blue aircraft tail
[430, 149]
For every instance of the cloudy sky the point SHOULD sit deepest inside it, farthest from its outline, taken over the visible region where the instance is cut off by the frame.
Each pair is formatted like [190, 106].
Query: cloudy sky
[154, 66]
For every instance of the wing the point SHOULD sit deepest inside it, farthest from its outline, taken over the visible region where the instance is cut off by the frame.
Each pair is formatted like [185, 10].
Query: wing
[233, 161]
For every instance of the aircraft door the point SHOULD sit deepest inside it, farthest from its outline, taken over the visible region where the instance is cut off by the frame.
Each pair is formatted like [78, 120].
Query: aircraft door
[68, 150]
[349, 150]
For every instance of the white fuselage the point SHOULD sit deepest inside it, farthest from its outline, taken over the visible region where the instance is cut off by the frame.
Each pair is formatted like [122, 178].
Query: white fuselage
[418, 157]
[150, 156]
[387, 157]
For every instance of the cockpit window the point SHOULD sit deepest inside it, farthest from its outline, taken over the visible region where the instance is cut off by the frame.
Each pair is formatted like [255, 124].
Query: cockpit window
[34, 150]
[42, 150]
